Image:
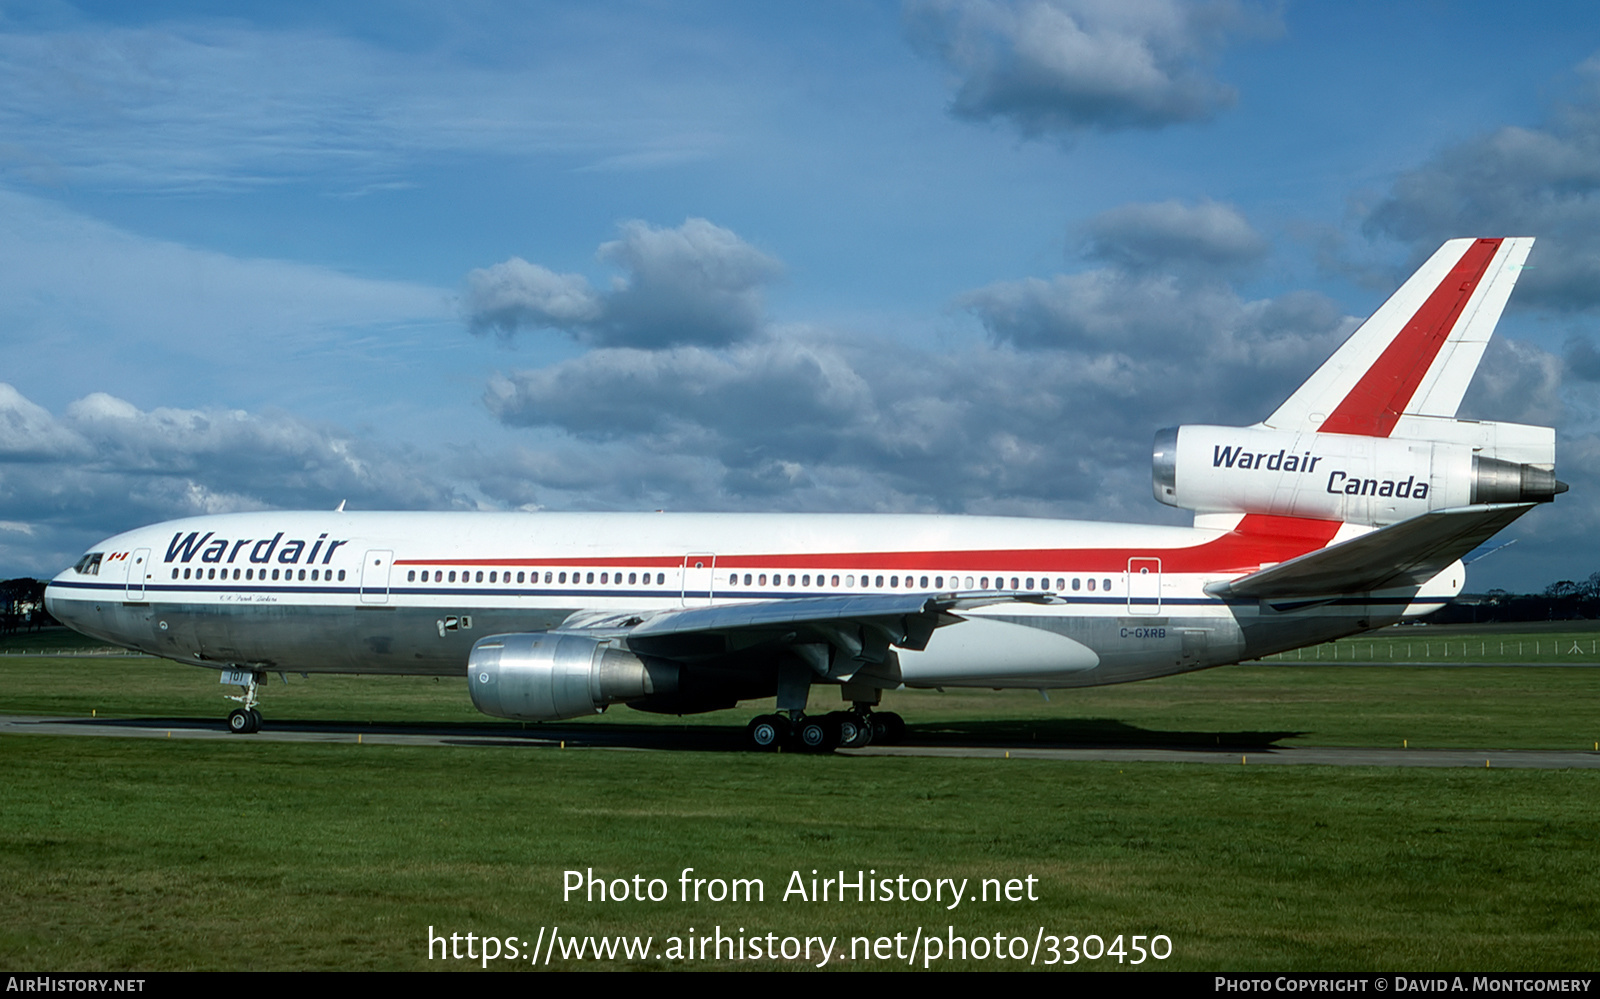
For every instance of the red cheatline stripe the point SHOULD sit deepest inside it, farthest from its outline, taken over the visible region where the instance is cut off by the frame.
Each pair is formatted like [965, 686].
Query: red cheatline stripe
[1374, 405]
[1259, 539]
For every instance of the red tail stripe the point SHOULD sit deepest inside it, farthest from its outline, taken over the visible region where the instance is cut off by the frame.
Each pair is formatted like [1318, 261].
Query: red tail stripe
[1374, 405]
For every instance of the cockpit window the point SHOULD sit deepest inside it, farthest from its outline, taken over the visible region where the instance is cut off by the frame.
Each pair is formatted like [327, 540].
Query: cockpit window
[89, 565]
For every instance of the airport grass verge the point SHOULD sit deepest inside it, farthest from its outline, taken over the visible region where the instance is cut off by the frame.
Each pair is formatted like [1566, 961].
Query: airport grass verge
[133, 854]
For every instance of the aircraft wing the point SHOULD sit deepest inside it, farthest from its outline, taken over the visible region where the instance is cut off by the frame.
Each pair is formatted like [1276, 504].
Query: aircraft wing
[861, 626]
[1405, 554]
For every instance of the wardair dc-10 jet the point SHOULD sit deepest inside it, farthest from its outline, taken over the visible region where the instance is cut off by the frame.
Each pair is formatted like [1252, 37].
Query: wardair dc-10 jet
[1347, 509]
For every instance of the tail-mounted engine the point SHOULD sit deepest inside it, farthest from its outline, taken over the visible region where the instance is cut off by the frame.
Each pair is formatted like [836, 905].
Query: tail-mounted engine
[1357, 479]
[541, 676]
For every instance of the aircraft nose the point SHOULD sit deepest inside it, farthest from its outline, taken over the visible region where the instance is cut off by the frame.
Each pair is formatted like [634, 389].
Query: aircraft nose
[53, 604]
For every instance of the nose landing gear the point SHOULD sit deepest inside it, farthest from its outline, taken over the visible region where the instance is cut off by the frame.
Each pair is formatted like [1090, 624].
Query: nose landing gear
[245, 719]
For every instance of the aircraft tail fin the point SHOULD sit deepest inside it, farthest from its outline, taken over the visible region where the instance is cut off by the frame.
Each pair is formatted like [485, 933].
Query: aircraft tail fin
[1418, 352]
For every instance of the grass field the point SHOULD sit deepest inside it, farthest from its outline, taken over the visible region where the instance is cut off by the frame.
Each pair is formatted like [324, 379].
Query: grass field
[244, 854]
[249, 855]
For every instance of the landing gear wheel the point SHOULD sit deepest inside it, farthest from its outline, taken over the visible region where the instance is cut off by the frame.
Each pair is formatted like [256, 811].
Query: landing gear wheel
[817, 735]
[768, 732]
[855, 730]
[888, 728]
[245, 719]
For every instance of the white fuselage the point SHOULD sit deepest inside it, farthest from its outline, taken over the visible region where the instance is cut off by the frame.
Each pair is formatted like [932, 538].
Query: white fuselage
[409, 593]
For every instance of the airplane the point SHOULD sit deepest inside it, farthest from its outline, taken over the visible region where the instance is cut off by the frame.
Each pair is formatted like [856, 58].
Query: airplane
[1348, 509]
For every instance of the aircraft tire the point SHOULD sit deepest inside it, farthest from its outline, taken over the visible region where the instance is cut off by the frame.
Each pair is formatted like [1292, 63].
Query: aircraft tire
[240, 722]
[255, 720]
[854, 730]
[767, 732]
[888, 728]
[817, 735]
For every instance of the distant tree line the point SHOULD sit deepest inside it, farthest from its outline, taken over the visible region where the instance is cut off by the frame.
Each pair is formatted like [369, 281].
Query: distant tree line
[1563, 600]
[22, 606]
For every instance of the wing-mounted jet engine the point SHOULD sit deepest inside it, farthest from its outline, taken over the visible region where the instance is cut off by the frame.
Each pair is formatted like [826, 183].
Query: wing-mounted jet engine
[546, 677]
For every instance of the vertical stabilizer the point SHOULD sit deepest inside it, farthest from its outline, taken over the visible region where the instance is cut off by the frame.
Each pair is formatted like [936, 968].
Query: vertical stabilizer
[1418, 352]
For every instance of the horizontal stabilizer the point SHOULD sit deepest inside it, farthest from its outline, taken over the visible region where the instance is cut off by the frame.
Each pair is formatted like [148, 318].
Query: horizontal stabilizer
[1401, 555]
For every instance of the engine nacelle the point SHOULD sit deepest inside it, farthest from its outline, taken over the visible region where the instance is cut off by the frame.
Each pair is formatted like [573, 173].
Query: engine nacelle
[539, 676]
[1344, 477]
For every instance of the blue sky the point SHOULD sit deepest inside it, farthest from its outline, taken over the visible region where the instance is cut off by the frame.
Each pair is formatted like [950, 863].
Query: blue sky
[945, 255]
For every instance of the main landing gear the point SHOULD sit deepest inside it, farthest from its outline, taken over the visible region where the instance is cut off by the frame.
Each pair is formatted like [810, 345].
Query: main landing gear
[802, 733]
[246, 719]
